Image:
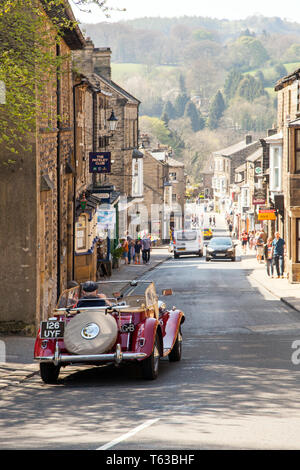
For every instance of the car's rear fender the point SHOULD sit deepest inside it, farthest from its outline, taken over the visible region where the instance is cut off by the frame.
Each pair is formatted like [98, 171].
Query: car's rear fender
[171, 322]
[46, 347]
[144, 336]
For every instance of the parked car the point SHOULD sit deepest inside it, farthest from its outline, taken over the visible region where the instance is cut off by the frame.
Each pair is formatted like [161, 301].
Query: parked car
[187, 242]
[136, 326]
[207, 233]
[220, 248]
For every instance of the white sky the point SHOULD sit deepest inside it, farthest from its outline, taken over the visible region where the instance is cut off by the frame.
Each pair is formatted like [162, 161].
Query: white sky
[230, 9]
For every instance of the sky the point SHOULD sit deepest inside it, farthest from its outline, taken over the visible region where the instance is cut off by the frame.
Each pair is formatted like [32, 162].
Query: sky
[230, 9]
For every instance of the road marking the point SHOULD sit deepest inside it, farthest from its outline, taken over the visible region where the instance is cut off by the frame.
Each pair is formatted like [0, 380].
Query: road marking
[128, 434]
[275, 327]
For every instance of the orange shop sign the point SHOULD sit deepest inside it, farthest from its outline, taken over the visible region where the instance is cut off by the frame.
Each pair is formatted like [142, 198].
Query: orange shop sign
[266, 214]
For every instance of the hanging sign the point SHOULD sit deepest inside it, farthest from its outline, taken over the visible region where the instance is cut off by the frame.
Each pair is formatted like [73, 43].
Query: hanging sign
[266, 214]
[99, 162]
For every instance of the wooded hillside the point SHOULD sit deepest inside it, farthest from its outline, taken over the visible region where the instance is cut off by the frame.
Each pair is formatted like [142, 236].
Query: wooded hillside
[206, 81]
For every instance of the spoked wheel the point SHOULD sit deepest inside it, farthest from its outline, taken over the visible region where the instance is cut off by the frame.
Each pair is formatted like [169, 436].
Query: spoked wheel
[176, 353]
[150, 365]
[49, 372]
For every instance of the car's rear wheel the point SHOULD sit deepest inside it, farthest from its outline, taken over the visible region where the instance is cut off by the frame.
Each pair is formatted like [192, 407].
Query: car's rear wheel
[49, 372]
[150, 365]
[176, 353]
[176, 256]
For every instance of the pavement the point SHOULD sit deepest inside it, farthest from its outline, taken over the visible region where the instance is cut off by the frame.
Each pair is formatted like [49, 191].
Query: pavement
[16, 352]
[285, 291]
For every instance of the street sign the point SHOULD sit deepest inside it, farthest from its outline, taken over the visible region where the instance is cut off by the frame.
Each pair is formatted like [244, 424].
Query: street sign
[99, 162]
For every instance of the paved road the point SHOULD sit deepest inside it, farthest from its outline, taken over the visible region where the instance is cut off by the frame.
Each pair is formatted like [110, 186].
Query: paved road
[235, 388]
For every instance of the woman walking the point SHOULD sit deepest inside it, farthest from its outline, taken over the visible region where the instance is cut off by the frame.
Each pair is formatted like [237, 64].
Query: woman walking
[268, 255]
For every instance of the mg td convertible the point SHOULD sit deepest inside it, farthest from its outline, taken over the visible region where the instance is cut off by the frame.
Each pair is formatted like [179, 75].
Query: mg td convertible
[134, 327]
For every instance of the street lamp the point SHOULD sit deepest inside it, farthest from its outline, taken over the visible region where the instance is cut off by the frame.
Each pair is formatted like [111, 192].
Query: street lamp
[113, 121]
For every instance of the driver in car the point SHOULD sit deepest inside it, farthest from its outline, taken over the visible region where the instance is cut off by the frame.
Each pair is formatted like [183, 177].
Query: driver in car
[91, 297]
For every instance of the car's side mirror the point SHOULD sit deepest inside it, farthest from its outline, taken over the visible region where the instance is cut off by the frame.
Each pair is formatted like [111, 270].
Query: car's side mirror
[167, 292]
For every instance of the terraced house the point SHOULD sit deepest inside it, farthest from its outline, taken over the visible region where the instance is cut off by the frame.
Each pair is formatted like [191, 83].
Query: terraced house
[36, 199]
[286, 169]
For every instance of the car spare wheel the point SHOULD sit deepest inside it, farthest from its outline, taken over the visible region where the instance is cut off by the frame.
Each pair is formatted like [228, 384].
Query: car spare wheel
[90, 333]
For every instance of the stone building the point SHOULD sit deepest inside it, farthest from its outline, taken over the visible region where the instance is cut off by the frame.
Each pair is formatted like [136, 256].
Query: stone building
[165, 175]
[126, 175]
[286, 166]
[36, 203]
[225, 162]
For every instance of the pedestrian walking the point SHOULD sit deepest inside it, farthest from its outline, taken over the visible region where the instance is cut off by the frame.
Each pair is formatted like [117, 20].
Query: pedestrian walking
[214, 221]
[251, 240]
[278, 254]
[146, 248]
[125, 249]
[268, 256]
[138, 249]
[259, 242]
[230, 228]
[131, 251]
[244, 240]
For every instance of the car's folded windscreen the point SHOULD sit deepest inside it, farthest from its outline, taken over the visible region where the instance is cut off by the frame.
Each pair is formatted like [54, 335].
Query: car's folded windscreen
[189, 236]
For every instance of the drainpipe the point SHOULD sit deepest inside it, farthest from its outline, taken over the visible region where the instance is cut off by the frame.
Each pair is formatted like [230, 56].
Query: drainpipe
[58, 182]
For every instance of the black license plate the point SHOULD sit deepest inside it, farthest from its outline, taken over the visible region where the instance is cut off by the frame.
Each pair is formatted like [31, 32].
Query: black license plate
[52, 329]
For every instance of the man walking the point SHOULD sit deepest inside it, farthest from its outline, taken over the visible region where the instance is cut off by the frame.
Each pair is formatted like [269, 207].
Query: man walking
[146, 244]
[278, 245]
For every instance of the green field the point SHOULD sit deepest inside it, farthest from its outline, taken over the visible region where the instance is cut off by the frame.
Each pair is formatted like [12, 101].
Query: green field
[121, 71]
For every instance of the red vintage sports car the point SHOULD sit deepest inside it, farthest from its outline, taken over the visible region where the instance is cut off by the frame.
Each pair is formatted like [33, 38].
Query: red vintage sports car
[135, 326]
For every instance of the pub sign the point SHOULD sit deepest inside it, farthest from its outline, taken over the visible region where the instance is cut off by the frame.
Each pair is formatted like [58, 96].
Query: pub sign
[99, 162]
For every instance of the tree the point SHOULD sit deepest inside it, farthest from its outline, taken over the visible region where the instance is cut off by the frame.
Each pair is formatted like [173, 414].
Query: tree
[192, 114]
[180, 103]
[247, 53]
[165, 118]
[28, 60]
[216, 110]
[250, 88]
[231, 83]
[169, 110]
[182, 86]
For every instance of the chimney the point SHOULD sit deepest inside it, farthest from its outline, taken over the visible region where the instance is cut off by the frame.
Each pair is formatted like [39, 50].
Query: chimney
[272, 132]
[101, 58]
[84, 59]
[248, 139]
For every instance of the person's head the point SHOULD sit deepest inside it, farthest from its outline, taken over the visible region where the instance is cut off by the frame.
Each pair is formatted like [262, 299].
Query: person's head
[277, 235]
[90, 288]
[270, 240]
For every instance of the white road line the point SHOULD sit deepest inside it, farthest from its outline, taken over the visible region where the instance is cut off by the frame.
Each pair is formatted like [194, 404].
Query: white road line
[128, 434]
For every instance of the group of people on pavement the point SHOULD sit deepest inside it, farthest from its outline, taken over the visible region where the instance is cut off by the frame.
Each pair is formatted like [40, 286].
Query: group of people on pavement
[134, 249]
[270, 250]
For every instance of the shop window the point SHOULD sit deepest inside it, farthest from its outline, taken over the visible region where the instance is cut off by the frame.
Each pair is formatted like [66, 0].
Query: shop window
[297, 240]
[297, 150]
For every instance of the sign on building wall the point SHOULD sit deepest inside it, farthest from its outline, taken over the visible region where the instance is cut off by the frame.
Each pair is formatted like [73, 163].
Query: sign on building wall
[266, 214]
[99, 162]
[106, 219]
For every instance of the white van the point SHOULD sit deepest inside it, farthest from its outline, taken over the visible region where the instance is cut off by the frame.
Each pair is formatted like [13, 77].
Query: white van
[188, 242]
